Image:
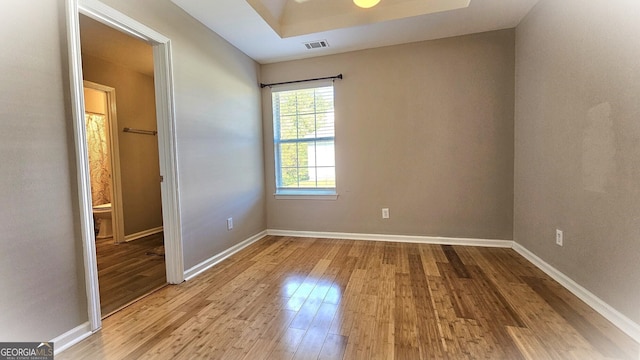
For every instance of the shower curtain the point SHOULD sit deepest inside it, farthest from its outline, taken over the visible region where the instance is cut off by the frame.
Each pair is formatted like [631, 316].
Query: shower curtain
[99, 163]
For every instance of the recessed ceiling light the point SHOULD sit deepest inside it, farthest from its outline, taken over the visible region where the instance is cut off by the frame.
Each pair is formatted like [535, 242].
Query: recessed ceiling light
[365, 4]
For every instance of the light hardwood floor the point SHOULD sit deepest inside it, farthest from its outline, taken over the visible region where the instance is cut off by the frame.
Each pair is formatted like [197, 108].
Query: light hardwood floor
[288, 298]
[128, 271]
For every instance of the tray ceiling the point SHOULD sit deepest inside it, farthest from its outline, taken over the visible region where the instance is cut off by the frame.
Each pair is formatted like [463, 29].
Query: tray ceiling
[276, 30]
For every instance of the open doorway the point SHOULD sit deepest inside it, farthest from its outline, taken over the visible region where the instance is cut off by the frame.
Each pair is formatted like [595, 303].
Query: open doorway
[101, 124]
[123, 164]
[166, 143]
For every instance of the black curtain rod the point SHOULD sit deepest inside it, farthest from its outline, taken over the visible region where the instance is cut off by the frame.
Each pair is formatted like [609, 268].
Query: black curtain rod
[339, 76]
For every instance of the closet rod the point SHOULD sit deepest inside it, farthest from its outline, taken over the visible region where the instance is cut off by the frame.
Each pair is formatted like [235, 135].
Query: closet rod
[138, 131]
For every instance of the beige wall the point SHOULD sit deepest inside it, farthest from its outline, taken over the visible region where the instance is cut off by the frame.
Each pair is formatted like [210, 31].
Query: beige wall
[577, 138]
[41, 283]
[95, 101]
[218, 127]
[219, 140]
[425, 129]
[139, 161]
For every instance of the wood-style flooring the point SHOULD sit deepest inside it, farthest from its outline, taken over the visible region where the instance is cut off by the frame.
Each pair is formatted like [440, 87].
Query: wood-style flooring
[129, 270]
[290, 298]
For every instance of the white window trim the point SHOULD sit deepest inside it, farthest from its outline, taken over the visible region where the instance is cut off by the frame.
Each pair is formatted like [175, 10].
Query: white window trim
[302, 193]
[306, 194]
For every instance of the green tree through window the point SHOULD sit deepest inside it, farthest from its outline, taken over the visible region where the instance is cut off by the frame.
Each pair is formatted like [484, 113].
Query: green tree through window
[304, 138]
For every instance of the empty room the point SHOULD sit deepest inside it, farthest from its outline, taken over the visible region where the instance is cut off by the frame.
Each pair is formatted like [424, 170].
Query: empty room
[320, 179]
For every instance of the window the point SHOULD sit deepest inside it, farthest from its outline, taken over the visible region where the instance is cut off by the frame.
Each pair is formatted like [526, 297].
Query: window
[304, 137]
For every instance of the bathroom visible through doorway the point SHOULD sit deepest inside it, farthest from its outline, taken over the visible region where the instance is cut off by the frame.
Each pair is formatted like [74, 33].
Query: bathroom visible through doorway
[124, 168]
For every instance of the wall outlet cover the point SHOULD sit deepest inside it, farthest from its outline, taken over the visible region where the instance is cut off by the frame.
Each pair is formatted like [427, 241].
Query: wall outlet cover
[559, 237]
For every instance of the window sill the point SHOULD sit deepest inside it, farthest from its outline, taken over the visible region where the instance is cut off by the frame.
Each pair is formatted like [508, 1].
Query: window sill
[306, 195]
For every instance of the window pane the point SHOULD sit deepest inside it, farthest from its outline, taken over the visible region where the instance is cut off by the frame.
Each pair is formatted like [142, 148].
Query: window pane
[307, 183]
[325, 127]
[325, 154]
[303, 154]
[285, 103]
[306, 101]
[288, 155]
[324, 99]
[304, 138]
[326, 176]
[289, 177]
[288, 127]
[306, 126]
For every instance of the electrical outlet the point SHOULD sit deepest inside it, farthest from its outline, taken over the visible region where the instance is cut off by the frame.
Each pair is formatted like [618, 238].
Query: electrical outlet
[230, 224]
[559, 237]
[385, 213]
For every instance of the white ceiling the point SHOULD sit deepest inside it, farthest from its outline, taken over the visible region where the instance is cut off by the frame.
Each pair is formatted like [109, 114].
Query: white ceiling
[301, 17]
[253, 31]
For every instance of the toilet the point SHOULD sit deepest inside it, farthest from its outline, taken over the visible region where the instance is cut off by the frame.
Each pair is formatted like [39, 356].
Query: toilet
[103, 214]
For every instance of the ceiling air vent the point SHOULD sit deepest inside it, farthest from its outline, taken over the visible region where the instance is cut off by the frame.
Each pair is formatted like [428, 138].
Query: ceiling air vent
[316, 44]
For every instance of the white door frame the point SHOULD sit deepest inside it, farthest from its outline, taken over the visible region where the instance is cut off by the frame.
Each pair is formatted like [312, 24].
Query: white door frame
[114, 158]
[165, 111]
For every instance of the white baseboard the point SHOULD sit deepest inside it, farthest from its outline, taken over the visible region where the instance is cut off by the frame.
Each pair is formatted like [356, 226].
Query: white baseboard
[395, 238]
[141, 234]
[71, 337]
[614, 316]
[203, 266]
[625, 324]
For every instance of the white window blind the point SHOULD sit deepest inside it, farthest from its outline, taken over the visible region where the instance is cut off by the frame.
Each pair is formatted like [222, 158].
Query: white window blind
[304, 137]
